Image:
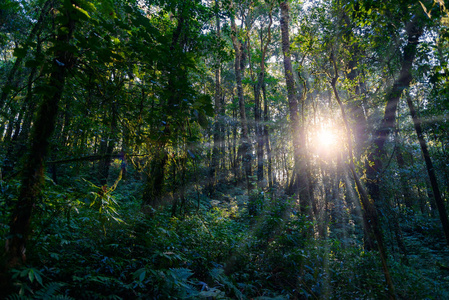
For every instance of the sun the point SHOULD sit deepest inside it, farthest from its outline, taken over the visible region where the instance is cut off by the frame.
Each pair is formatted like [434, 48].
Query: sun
[325, 141]
[326, 138]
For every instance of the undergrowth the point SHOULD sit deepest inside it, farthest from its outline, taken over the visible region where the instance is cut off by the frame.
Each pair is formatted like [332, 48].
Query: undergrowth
[208, 252]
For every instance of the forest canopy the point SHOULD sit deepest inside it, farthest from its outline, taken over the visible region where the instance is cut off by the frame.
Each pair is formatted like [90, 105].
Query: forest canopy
[222, 149]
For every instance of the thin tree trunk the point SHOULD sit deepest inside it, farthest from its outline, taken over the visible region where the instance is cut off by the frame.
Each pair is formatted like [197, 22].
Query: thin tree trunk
[245, 146]
[235, 166]
[258, 105]
[266, 133]
[217, 97]
[406, 195]
[224, 129]
[430, 169]
[356, 106]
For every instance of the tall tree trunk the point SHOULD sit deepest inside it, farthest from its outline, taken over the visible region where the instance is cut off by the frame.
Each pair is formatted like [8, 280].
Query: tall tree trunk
[356, 105]
[266, 136]
[245, 146]
[300, 169]
[258, 106]
[430, 169]
[234, 144]
[155, 184]
[33, 170]
[218, 137]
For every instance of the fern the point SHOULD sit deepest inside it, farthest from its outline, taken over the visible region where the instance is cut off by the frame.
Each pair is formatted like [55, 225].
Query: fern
[49, 291]
[17, 297]
[220, 277]
[61, 297]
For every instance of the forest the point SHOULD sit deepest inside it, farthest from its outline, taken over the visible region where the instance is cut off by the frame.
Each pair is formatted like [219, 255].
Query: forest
[224, 149]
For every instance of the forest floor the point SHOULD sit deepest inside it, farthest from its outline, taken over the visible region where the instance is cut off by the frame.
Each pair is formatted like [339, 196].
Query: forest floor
[214, 249]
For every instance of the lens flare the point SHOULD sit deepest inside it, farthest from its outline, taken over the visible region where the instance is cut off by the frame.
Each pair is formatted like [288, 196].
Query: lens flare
[326, 138]
[326, 142]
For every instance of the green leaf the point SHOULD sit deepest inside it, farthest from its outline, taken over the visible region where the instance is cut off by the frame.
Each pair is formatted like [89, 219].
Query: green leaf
[84, 14]
[7, 89]
[38, 277]
[182, 273]
[142, 275]
[31, 275]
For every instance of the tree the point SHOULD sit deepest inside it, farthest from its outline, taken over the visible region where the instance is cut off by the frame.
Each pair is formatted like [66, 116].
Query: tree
[370, 216]
[297, 133]
[430, 168]
[245, 147]
[179, 103]
[261, 140]
[377, 152]
[218, 131]
[33, 170]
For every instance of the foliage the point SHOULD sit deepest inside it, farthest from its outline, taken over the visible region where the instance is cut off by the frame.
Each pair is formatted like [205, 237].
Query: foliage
[215, 252]
[144, 192]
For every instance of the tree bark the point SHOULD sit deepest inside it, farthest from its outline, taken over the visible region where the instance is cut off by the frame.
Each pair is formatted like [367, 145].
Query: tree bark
[154, 186]
[356, 105]
[266, 136]
[406, 194]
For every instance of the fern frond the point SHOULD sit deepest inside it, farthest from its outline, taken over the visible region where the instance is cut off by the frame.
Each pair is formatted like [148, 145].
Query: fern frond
[62, 297]
[17, 297]
[49, 290]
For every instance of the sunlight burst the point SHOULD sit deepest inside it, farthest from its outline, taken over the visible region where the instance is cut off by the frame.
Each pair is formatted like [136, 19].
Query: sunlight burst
[327, 137]
[326, 142]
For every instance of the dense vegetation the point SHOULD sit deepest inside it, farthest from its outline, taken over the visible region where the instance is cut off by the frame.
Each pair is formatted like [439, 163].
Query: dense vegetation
[266, 149]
